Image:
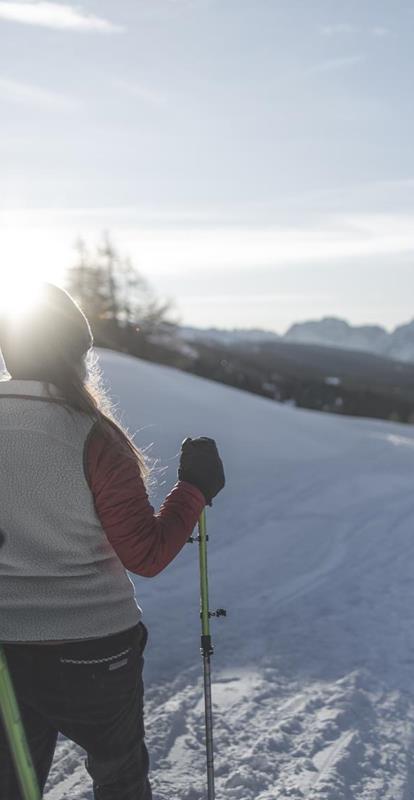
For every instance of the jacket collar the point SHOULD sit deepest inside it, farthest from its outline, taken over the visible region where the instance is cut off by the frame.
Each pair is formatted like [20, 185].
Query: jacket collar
[23, 388]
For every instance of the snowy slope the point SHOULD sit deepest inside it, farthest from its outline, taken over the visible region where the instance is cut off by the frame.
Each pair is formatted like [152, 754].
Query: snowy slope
[312, 552]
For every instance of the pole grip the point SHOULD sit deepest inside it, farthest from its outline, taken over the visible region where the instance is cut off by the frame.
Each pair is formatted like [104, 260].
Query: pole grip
[202, 549]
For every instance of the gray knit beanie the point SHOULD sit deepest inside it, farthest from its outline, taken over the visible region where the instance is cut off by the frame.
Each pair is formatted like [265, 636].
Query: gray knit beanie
[51, 335]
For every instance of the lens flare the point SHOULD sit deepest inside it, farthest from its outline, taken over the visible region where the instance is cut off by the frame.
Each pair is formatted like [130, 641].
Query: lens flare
[18, 297]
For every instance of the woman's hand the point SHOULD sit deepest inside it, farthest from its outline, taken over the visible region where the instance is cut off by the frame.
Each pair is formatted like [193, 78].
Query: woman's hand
[201, 465]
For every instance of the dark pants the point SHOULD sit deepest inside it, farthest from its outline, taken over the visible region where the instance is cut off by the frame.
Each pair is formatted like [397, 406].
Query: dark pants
[92, 692]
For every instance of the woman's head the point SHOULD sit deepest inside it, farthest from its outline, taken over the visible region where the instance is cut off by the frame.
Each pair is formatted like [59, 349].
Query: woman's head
[48, 340]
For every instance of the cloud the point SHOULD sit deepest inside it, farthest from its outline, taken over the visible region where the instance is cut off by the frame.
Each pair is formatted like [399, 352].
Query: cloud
[380, 31]
[237, 248]
[333, 64]
[55, 15]
[344, 28]
[29, 95]
[333, 30]
[143, 93]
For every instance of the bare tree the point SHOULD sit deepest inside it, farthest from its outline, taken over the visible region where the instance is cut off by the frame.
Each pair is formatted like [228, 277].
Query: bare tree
[87, 284]
[109, 263]
[108, 287]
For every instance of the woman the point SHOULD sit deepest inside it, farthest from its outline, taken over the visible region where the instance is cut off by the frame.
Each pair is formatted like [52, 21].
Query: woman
[74, 516]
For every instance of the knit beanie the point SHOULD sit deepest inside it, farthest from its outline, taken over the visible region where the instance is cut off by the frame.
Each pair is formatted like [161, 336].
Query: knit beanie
[50, 335]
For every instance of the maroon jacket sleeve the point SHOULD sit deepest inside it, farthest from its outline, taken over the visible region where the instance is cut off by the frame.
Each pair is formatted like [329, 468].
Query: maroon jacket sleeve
[145, 542]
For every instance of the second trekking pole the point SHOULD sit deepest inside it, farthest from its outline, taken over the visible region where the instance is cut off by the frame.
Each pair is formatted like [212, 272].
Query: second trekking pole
[16, 735]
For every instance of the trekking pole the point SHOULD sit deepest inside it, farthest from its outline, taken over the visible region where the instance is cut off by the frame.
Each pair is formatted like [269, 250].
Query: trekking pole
[206, 647]
[16, 735]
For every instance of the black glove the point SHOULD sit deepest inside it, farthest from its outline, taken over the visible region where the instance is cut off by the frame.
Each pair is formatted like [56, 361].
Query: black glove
[201, 465]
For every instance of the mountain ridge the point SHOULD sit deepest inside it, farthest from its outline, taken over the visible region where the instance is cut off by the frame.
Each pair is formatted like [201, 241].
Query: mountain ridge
[328, 331]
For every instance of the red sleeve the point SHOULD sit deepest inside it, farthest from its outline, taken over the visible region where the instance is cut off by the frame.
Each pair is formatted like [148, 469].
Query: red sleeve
[145, 542]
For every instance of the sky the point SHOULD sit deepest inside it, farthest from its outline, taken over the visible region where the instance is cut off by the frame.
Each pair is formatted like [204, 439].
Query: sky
[253, 157]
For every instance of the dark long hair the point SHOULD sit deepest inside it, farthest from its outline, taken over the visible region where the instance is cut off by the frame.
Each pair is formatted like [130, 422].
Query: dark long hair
[52, 342]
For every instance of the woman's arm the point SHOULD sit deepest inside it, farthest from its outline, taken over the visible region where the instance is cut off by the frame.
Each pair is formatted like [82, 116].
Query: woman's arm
[145, 542]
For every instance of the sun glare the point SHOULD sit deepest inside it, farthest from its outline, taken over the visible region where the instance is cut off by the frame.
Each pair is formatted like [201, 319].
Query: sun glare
[17, 298]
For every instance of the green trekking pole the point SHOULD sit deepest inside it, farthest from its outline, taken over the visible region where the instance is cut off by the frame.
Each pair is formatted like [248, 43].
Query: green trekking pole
[16, 734]
[206, 647]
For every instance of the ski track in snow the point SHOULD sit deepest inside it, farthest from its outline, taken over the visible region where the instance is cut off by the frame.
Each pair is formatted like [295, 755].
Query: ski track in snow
[313, 674]
[330, 741]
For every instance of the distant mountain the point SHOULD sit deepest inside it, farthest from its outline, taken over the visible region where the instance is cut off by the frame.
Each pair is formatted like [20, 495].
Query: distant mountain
[334, 332]
[338, 333]
[227, 337]
[400, 344]
[329, 331]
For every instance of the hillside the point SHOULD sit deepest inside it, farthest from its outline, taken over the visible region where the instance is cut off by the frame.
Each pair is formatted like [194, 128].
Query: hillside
[311, 551]
[314, 376]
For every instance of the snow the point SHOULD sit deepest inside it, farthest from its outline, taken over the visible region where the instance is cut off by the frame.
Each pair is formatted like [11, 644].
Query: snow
[311, 551]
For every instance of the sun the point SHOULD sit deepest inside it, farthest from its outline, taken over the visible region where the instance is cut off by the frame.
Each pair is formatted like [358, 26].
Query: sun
[17, 297]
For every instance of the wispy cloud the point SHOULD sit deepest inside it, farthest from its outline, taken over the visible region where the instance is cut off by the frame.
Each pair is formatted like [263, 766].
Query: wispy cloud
[177, 249]
[334, 30]
[332, 64]
[343, 28]
[380, 31]
[56, 15]
[142, 93]
[29, 95]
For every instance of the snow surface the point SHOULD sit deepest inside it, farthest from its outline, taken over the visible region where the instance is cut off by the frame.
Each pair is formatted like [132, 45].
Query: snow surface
[311, 551]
